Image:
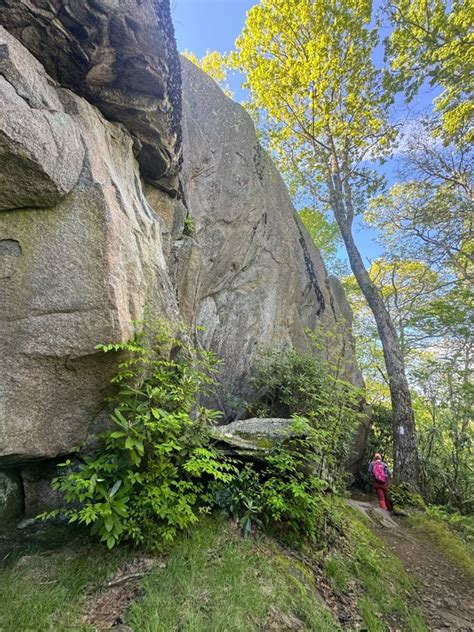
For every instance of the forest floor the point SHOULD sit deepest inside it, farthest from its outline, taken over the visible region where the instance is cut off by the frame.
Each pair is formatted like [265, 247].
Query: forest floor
[386, 575]
[445, 592]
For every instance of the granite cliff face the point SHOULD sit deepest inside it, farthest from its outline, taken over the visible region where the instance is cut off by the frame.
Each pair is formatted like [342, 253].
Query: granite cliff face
[251, 274]
[121, 56]
[81, 253]
[98, 172]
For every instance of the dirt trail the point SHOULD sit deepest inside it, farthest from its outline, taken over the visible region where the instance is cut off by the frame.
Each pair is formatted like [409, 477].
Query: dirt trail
[445, 593]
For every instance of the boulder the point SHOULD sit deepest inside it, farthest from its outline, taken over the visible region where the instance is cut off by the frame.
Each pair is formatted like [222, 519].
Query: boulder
[41, 151]
[250, 274]
[75, 272]
[120, 56]
[251, 438]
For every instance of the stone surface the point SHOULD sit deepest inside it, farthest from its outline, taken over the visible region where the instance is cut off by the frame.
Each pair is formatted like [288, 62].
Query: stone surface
[38, 495]
[73, 274]
[11, 497]
[250, 274]
[250, 439]
[122, 57]
[259, 427]
[41, 152]
[87, 239]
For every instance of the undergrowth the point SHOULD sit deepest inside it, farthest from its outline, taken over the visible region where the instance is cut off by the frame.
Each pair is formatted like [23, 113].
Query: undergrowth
[150, 479]
[159, 470]
[459, 550]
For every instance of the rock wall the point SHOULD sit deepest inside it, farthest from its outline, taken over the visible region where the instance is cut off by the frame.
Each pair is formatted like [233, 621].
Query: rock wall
[121, 56]
[81, 253]
[251, 274]
[95, 194]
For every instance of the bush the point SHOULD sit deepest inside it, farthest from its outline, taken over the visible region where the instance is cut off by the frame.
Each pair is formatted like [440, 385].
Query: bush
[151, 477]
[285, 496]
[311, 386]
[403, 496]
[289, 492]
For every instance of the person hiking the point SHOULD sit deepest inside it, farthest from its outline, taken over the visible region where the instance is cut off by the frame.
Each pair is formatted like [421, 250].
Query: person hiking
[380, 473]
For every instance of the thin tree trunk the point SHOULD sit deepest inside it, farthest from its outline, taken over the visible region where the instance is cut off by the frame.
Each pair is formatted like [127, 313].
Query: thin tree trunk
[405, 456]
[404, 434]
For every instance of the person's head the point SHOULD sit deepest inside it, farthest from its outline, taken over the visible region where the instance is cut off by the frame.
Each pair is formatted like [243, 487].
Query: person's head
[377, 456]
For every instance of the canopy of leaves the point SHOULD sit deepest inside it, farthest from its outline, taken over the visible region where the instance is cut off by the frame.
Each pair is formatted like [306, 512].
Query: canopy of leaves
[322, 100]
[429, 215]
[433, 39]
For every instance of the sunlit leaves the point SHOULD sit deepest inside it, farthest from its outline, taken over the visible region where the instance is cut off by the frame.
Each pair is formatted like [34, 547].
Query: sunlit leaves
[433, 40]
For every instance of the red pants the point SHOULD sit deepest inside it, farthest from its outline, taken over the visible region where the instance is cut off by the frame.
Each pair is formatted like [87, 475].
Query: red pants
[381, 489]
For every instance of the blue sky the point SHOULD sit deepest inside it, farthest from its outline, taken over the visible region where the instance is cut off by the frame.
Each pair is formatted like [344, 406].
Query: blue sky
[203, 25]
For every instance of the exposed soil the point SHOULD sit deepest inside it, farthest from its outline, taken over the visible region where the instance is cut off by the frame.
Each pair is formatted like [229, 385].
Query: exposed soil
[445, 592]
[104, 610]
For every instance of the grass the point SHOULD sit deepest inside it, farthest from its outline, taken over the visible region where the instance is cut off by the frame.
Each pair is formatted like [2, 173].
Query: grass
[453, 546]
[43, 590]
[383, 585]
[213, 579]
[221, 582]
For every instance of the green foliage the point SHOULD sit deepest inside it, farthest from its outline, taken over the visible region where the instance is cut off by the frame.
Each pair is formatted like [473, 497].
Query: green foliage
[323, 104]
[432, 39]
[149, 481]
[458, 549]
[446, 435]
[288, 493]
[189, 227]
[313, 386]
[404, 497]
[324, 233]
[462, 525]
[287, 496]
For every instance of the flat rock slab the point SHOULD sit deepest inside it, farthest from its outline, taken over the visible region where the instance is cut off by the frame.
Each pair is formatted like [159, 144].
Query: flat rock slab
[271, 428]
[376, 515]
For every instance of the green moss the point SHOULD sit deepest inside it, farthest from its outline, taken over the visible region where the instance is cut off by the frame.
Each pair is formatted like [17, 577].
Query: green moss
[259, 440]
[454, 547]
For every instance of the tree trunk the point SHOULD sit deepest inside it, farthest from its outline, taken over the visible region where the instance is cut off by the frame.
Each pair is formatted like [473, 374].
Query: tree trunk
[405, 456]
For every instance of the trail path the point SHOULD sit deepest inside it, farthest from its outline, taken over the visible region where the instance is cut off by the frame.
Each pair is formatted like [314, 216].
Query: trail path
[445, 593]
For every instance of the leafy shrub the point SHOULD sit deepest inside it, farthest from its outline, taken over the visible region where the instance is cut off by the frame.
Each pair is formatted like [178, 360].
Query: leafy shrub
[403, 496]
[312, 386]
[150, 479]
[457, 522]
[289, 493]
[285, 496]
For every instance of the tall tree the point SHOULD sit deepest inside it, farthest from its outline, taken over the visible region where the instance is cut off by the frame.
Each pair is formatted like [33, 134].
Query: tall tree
[325, 106]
